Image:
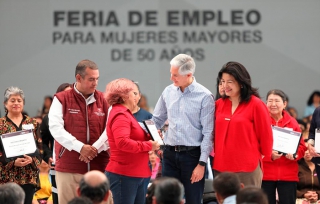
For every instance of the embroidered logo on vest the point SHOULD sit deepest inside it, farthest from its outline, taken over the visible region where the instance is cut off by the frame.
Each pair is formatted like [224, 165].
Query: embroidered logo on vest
[73, 110]
[99, 112]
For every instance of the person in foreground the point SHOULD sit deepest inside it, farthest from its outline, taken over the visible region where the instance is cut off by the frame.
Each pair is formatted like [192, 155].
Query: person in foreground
[168, 191]
[22, 170]
[95, 186]
[128, 170]
[189, 108]
[226, 185]
[11, 193]
[77, 121]
[243, 132]
[251, 195]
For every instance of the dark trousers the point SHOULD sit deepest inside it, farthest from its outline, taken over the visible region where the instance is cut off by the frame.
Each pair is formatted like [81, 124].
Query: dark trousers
[286, 191]
[126, 189]
[54, 186]
[180, 165]
[29, 191]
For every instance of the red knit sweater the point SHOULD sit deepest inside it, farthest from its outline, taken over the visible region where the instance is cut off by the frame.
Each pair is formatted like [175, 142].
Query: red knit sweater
[129, 144]
[242, 138]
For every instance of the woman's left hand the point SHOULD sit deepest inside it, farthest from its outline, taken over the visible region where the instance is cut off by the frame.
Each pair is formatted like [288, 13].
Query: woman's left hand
[290, 157]
[20, 162]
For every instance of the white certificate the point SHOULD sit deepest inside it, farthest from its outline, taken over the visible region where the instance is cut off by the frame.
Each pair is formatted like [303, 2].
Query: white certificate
[18, 143]
[285, 141]
[152, 129]
[317, 140]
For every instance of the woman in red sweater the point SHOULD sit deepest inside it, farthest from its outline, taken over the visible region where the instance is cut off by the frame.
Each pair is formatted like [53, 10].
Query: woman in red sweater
[281, 172]
[128, 169]
[242, 127]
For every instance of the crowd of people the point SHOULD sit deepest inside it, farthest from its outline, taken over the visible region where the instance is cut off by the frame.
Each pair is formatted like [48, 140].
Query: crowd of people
[92, 147]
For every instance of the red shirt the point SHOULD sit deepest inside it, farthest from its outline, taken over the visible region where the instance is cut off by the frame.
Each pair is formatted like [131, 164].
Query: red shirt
[243, 137]
[284, 169]
[129, 144]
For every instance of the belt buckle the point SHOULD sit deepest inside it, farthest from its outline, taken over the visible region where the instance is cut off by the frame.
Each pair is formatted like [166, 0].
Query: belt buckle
[177, 148]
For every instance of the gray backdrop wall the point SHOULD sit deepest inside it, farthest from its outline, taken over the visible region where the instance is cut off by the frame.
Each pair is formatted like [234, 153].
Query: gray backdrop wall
[42, 41]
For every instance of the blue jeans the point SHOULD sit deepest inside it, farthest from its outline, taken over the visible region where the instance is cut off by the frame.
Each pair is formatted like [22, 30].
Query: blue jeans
[180, 165]
[127, 190]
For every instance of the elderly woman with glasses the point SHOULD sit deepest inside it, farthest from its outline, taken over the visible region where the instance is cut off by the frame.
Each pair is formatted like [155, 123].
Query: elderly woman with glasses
[22, 170]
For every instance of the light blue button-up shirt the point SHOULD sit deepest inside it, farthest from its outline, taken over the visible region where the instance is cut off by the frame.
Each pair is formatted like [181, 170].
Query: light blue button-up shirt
[190, 115]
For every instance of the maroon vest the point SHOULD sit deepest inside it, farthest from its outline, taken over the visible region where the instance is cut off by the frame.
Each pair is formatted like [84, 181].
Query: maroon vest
[78, 118]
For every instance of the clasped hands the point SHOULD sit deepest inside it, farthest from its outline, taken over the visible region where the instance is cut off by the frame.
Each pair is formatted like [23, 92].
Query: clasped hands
[88, 153]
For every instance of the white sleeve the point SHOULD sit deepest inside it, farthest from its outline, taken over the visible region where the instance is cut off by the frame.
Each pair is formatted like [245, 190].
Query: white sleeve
[56, 127]
[102, 143]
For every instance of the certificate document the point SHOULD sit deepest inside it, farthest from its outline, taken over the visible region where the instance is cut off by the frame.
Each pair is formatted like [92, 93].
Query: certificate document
[152, 129]
[18, 143]
[285, 141]
[317, 140]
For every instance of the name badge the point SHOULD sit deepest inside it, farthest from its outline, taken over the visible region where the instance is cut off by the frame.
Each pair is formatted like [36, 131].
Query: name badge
[27, 127]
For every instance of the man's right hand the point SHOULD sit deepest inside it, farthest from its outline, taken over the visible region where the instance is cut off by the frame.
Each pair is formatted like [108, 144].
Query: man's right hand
[88, 151]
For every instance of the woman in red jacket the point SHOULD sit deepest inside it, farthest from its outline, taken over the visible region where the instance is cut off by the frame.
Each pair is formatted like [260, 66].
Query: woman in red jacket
[242, 129]
[128, 169]
[281, 172]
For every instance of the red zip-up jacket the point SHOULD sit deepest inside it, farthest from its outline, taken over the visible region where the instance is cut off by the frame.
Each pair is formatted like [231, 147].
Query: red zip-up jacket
[283, 169]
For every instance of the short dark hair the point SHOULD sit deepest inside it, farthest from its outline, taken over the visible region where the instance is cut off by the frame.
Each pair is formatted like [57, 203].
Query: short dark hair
[226, 184]
[278, 92]
[168, 191]
[63, 86]
[242, 76]
[82, 65]
[80, 200]
[251, 195]
[95, 193]
[11, 193]
[310, 100]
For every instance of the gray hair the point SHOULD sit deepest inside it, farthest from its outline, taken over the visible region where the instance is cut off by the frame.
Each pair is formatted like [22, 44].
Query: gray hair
[185, 63]
[13, 91]
[169, 190]
[82, 65]
[11, 193]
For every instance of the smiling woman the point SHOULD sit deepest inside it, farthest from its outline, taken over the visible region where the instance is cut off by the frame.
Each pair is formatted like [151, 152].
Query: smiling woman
[21, 170]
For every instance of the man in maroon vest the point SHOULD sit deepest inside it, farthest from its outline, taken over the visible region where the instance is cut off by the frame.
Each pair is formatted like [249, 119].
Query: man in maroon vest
[77, 121]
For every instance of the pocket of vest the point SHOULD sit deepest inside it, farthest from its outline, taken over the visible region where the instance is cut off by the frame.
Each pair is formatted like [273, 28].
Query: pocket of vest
[61, 152]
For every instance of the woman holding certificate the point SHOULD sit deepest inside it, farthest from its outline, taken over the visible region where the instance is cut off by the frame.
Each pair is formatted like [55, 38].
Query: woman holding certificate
[21, 169]
[128, 170]
[281, 173]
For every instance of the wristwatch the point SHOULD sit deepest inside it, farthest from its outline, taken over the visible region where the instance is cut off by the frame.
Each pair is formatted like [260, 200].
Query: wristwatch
[201, 163]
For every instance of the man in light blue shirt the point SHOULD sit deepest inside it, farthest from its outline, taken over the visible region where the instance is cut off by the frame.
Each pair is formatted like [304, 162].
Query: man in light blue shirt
[189, 108]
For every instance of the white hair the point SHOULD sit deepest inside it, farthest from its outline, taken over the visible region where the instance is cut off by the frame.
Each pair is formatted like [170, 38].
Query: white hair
[12, 91]
[185, 63]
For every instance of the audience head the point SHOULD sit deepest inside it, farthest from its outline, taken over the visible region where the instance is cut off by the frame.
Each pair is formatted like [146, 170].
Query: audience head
[120, 91]
[94, 185]
[251, 195]
[226, 184]
[219, 89]
[168, 191]
[64, 87]
[80, 200]
[236, 81]
[11, 193]
[13, 95]
[314, 98]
